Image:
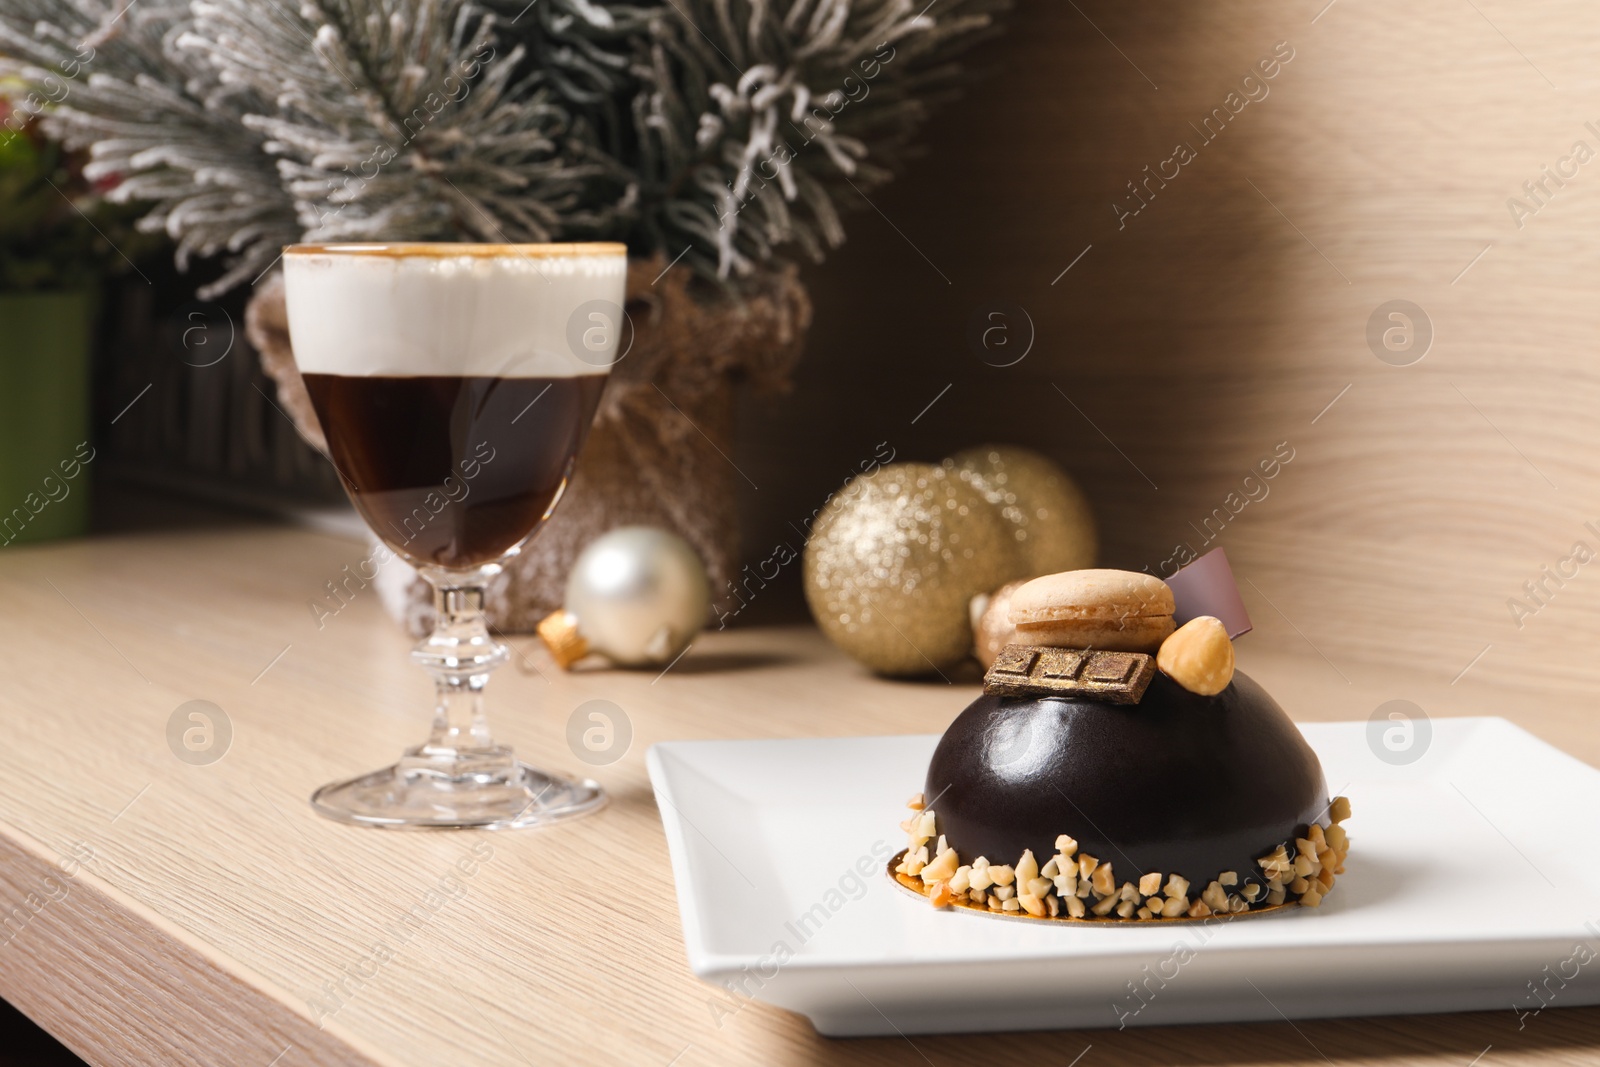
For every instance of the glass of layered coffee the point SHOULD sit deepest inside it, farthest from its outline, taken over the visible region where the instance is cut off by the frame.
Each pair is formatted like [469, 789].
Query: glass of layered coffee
[455, 384]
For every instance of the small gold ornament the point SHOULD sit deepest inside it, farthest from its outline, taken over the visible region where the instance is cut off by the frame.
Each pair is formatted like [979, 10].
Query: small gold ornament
[894, 560]
[559, 632]
[1047, 514]
[992, 629]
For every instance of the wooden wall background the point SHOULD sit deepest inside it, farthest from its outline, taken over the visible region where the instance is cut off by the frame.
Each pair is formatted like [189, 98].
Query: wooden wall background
[1229, 313]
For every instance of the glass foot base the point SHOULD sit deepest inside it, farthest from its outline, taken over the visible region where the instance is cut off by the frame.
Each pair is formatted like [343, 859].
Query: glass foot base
[421, 794]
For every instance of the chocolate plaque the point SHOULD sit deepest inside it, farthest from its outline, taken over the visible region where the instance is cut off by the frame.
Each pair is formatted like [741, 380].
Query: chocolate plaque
[1206, 587]
[1033, 670]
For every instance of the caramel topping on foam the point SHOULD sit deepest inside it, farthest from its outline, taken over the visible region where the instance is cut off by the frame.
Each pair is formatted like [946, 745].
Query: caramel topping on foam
[507, 311]
[446, 249]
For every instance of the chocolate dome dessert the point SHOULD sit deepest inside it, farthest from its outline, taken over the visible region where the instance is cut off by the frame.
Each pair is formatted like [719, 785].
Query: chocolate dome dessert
[1090, 785]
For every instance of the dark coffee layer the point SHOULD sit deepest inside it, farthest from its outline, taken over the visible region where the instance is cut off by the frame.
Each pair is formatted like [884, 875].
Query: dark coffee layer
[454, 471]
[1179, 783]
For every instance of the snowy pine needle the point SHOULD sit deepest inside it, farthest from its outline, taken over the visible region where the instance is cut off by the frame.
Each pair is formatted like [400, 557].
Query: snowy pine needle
[725, 131]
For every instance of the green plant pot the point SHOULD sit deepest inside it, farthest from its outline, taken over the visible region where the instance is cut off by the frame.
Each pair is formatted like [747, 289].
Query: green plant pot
[45, 452]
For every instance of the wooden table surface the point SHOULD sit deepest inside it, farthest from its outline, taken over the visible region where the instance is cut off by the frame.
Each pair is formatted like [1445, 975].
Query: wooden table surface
[161, 912]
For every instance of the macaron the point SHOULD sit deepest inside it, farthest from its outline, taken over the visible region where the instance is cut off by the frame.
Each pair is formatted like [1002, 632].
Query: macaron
[1111, 610]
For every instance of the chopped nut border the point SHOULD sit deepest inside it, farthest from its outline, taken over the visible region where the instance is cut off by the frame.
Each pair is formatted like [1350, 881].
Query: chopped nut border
[1072, 886]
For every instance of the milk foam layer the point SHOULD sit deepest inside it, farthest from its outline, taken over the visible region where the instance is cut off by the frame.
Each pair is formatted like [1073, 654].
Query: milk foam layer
[508, 315]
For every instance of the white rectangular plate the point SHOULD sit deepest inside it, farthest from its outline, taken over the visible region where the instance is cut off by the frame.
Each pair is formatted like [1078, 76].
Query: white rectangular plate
[1473, 883]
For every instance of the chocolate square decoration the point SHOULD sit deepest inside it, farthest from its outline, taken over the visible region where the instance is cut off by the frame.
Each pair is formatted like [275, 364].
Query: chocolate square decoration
[1016, 660]
[1032, 670]
[1060, 663]
[1111, 668]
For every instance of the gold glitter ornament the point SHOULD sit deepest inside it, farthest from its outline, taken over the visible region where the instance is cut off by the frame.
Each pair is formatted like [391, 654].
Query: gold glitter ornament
[894, 560]
[1046, 513]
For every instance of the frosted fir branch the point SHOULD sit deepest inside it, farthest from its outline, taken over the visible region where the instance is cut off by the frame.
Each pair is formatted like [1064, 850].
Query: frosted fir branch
[167, 132]
[715, 91]
[727, 131]
[404, 119]
[762, 116]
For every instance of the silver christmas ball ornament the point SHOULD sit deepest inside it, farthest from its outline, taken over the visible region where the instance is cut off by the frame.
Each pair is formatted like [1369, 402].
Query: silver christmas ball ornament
[637, 595]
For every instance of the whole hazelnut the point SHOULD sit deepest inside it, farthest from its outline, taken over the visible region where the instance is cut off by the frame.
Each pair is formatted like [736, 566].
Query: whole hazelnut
[1198, 656]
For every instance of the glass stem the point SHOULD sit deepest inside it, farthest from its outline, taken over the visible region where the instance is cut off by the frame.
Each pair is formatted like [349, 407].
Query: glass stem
[460, 654]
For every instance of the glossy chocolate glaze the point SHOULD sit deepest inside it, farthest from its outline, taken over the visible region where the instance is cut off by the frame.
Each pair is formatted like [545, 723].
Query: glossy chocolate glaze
[1178, 783]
